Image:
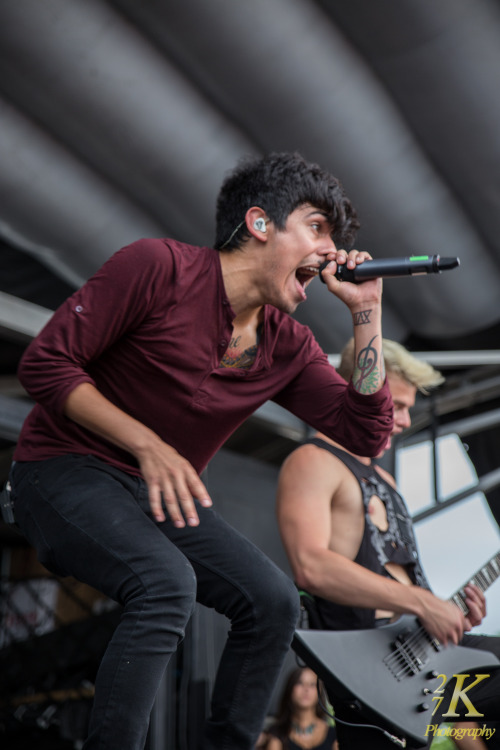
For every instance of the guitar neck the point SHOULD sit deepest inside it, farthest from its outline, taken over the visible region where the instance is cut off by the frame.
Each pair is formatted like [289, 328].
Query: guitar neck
[483, 579]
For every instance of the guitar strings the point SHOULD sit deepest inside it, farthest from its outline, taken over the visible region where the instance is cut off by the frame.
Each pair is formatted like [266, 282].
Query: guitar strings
[411, 654]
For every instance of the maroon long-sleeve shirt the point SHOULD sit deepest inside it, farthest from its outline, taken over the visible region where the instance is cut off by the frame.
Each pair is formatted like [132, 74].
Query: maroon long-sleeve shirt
[149, 330]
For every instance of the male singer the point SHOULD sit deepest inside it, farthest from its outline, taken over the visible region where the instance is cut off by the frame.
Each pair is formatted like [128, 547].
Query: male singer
[139, 379]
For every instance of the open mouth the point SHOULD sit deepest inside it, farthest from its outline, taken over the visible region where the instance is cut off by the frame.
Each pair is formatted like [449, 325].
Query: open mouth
[305, 274]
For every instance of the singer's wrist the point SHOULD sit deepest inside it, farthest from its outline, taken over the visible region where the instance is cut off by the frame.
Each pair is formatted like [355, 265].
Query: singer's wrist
[367, 314]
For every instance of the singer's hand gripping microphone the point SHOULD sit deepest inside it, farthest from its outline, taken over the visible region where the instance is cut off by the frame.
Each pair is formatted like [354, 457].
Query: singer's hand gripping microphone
[391, 268]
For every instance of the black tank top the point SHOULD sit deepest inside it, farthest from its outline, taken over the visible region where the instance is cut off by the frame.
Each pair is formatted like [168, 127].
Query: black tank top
[377, 548]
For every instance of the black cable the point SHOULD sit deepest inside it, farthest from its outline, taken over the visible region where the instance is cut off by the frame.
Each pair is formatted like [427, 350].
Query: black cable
[400, 741]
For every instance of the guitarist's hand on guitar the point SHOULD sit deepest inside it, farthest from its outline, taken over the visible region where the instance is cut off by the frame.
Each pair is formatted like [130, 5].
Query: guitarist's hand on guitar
[441, 619]
[476, 602]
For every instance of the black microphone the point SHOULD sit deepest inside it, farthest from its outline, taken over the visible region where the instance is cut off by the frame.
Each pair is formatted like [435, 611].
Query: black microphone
[391, 268]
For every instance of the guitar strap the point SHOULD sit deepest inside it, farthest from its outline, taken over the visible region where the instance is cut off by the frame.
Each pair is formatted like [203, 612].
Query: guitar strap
[309, 617]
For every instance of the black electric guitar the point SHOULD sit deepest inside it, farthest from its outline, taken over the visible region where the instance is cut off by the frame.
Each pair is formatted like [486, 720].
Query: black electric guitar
[391, 673]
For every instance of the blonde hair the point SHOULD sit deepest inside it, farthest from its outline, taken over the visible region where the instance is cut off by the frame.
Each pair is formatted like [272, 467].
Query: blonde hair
[399, 361]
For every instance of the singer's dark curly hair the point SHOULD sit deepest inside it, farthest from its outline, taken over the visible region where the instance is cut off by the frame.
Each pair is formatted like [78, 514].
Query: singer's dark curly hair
[279, 183]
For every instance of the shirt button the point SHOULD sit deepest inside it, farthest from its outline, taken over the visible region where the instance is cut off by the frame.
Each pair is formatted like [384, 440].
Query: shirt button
[223, 342]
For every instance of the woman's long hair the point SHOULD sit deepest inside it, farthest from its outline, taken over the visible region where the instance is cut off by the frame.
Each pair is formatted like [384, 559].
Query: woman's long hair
[284, 718]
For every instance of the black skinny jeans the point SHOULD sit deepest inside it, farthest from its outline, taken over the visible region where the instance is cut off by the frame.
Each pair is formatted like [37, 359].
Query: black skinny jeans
[93, 522]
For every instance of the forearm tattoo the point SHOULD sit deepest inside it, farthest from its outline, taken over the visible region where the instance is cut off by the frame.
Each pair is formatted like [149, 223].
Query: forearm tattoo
[361, 318]
[368, 372]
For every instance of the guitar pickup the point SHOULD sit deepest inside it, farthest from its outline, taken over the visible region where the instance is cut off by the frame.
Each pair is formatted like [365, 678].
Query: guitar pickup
[410, 653]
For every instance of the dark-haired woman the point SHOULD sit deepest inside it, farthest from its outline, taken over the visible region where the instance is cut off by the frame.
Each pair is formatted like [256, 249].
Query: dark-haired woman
[300, 724]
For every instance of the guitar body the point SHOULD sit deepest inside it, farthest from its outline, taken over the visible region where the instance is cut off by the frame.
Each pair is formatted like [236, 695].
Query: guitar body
[376, 669]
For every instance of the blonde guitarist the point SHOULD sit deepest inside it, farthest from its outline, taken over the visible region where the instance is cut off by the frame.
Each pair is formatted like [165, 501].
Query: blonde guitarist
[350, 542]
